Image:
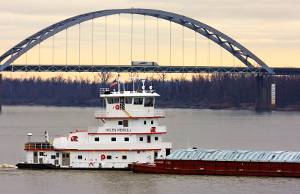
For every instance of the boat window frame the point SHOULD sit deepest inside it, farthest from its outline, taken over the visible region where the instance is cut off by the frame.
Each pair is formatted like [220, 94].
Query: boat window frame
[128, 100]
[138, 100]
[150, 103]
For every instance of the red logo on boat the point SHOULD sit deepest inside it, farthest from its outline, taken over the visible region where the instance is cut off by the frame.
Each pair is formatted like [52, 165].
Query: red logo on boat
[74, 138]
[102, 157]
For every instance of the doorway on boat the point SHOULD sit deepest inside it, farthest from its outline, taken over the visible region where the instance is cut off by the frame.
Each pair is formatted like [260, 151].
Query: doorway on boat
[35, 157]
[148, 139]
[65, 159]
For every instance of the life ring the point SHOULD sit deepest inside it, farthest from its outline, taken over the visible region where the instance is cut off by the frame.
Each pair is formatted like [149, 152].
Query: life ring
[91, 164]
[117, 107]
[102, 157]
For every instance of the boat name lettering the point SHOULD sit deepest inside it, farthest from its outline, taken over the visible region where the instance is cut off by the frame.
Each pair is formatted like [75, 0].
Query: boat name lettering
[118, 130]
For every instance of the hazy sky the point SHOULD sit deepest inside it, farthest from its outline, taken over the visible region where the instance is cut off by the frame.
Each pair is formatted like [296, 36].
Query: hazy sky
[269, 28]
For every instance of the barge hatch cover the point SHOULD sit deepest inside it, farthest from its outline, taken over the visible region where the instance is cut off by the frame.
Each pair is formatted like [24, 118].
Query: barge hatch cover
[235, 155]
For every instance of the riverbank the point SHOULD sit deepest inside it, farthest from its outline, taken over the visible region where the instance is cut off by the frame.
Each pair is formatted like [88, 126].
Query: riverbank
[96, 103]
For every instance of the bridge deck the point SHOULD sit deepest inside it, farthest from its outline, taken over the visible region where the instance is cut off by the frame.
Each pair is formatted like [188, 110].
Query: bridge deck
[147, 69]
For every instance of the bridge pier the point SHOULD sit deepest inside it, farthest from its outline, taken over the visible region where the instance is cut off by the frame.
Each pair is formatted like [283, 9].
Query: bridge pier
[1, 93]
[263, 96]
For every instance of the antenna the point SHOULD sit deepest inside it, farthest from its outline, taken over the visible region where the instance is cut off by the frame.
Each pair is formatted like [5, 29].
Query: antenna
[143, 85]
[118, 79]
[46, 136]
[133, 78]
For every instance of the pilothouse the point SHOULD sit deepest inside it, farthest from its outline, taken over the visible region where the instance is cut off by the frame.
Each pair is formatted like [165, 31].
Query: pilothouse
[129, 133]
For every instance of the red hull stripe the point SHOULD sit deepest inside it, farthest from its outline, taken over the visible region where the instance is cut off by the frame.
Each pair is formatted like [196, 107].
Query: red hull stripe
[95, 150]
[126, 133]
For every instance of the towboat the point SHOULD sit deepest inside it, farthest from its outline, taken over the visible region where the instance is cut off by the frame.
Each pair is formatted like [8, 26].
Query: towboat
[128, 132]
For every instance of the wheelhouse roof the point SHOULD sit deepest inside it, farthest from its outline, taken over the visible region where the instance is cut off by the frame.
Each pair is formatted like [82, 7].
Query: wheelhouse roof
[130, 94]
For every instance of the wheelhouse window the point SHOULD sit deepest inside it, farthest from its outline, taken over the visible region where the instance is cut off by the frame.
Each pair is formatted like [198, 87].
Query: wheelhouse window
[112, 100]
[109, 100]
[149, 102]
[128, 100]
[96, 138]
[115, 100]
[138, 101]
[113, 139]
[125, 123]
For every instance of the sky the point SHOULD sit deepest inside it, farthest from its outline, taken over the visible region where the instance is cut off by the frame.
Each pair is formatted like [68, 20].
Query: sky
[268, 28]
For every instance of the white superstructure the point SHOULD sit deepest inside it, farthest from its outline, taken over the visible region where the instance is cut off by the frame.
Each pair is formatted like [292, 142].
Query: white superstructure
[130, 132]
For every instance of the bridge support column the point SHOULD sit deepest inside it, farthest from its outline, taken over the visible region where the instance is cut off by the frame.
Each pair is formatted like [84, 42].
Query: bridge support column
[1, 95]
[263, 93]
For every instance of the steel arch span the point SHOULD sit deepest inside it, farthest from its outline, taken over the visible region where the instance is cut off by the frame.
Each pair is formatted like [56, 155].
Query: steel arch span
[229, 44]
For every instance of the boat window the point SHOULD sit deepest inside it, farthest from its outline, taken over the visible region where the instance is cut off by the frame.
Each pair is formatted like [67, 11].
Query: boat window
[149, 102]
[168, 151]
[41, 153]
[53, 157]
[79, 157]
[155, 154]
[126, 138]
[96, 138]
[120, 122]
[115, 100]
[57, 155]
[141, 139]
[108, 157]
[148, 139]
[124, 157]
[138, 101]
[125, 123]
[145, 122]
[109, 100]
[156, 138]
[128, 100]
[152, 122]
[113, 139]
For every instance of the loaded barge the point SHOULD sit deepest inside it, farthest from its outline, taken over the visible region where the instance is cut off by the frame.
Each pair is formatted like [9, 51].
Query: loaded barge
[225, 162]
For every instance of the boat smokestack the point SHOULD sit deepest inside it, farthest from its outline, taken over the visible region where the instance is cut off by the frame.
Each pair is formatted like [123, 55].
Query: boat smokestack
[29, 135]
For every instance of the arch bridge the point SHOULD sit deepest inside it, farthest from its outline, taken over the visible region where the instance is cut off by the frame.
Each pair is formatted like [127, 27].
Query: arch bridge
[252, 63]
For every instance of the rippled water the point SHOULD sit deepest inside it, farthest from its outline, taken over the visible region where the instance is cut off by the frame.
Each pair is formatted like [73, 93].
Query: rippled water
[224, 129]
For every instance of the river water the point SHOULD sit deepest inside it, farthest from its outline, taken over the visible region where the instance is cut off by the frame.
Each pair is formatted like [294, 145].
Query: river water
[226, 129]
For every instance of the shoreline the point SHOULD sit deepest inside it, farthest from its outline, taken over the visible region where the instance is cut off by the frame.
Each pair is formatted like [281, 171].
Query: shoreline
[290, 108]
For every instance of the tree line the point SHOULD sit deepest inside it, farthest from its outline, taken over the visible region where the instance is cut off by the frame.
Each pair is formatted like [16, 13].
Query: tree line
[201, 91]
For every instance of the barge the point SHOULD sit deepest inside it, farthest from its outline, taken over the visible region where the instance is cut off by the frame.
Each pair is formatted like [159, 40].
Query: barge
[225, 162]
